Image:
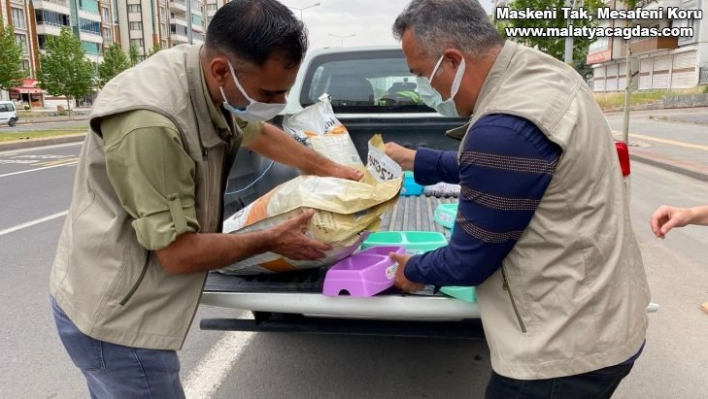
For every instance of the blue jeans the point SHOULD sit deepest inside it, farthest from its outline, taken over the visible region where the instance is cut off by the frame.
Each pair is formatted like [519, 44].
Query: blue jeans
[599, 384]
[115, 371]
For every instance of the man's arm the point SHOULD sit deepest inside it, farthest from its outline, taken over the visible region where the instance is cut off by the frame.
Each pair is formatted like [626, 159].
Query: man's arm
[429, 166]
[277, 145]
[153, 178]
[496, 202]
[192, 252]
[667, 217]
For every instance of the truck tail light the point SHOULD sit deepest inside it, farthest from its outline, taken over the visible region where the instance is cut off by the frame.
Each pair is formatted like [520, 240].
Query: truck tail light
[623, 153]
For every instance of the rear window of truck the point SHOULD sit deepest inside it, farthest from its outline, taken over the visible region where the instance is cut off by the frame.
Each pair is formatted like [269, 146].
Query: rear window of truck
[363, 82]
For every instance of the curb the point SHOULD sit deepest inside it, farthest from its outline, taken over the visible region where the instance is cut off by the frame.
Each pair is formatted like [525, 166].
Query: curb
[696, 174]
[20, 144]
[28, 121]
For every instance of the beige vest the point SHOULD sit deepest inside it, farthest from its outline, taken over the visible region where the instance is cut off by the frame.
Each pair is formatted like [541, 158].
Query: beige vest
[106, 282]
[571, 296]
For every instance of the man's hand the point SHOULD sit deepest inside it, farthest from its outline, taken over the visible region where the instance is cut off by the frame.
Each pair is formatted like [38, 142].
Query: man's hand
[666, 217]
[289, 239]
[333, 169]
[401, 281]
[401, 155]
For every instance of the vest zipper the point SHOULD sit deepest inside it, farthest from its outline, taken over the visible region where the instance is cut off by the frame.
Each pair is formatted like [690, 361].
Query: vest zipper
[513, 302]
[137, 283]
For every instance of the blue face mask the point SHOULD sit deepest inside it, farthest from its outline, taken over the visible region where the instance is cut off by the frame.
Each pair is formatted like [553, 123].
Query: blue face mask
[433, 99]
[255, 111]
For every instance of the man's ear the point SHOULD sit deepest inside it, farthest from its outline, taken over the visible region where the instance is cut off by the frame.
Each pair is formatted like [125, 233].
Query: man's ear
[219, 68]
[453, 56]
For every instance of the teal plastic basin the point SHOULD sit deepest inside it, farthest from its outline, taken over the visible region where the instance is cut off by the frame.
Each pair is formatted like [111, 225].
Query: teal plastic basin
[410, 187]
[445, 215]
[467, 294]
[413, 241]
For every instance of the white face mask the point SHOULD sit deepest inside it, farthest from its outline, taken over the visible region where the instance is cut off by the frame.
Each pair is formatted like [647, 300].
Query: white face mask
[431, 96]
[255, 111]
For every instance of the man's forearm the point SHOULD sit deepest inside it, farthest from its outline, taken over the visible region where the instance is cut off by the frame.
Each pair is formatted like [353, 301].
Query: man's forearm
[699, 215]
[273, 143]
[193, 252]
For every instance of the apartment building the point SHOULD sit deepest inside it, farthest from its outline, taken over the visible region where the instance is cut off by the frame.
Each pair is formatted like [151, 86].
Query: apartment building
[662, 62]
[164, 23]
[98, 23]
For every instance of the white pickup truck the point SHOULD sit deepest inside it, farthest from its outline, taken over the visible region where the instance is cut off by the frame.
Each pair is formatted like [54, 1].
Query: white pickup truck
[372, 91]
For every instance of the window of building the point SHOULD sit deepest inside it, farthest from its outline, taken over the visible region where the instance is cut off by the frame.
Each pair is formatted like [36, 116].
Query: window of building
[88, 26]
[106, 14]
[108, 35]
[91, 48]
[89, 6]
[136, 26]
[139, 43]
[178, 29]
[211, 7]
[18, 18]
[136, 8]
[51, 18]
[21, 40]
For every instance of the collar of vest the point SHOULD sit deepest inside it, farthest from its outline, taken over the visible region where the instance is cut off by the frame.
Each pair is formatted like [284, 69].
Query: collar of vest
[501, 64]
[206, 131]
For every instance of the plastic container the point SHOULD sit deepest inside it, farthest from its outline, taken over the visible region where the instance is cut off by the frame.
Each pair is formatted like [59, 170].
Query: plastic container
[412, 241]
[467, 294]
[410, 187]
[445, 215]
[364, 274]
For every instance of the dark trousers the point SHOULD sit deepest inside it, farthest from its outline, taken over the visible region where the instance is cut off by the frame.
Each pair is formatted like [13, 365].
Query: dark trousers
[599, 384]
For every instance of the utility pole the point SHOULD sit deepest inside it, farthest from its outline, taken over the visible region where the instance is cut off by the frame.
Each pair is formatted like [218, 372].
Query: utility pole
[341, 38]
[189, 21]
[305, 8]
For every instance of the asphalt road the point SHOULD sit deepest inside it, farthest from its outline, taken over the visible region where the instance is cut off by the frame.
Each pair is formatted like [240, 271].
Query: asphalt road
[35, 188]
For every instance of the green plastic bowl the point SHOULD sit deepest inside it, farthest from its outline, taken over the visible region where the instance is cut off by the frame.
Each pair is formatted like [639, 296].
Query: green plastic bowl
[413, 241]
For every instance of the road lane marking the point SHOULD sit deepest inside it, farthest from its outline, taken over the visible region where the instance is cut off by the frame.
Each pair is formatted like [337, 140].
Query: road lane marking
[666, 141]
[59, 162]
[214, 367]
[39, 149]
[36, 169]
[32, 223]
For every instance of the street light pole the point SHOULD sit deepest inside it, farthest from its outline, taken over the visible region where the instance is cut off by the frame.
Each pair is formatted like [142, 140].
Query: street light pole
[305, 8]
[341, 38]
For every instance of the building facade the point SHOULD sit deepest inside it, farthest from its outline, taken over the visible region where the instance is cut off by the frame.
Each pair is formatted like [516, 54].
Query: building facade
[662, 62]
[146, 24]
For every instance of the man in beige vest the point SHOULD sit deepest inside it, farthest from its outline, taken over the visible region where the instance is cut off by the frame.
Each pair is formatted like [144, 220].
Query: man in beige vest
[543, 229]
[144, 226]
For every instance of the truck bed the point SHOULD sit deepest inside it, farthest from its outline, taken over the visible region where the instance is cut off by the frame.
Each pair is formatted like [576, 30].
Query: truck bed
[410, 214]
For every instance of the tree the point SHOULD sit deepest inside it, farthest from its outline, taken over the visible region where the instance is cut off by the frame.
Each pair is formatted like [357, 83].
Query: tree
[553, 46]
[114, 62]
[11, 74]
[133, 55]
[155, 48]
[65, 70]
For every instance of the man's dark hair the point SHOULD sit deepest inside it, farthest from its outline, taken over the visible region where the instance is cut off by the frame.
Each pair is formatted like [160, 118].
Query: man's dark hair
[255, 30]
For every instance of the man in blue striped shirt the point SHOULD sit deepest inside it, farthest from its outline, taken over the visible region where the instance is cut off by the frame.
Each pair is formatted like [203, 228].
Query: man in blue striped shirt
[505, 168]
[542, 228]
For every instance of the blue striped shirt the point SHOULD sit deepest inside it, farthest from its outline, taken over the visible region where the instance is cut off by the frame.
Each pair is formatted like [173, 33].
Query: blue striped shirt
[505, 168]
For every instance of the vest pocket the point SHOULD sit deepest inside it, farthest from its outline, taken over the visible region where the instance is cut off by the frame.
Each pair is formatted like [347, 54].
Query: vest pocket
[513, 302]
[138, 282]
